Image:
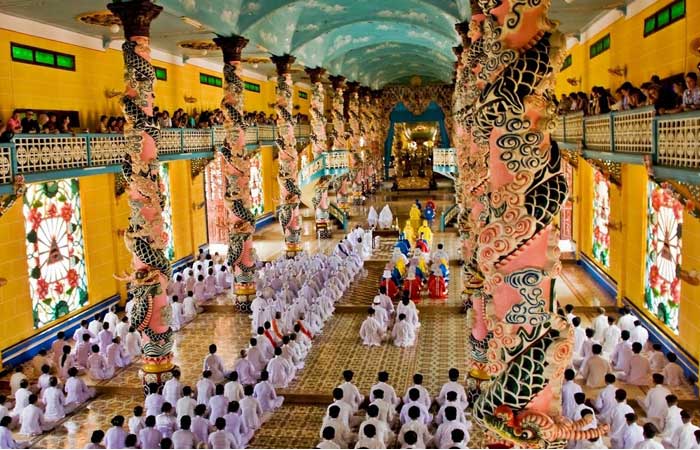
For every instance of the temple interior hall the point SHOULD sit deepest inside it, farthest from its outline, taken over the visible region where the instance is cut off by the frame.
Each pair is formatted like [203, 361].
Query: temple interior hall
[349, 224]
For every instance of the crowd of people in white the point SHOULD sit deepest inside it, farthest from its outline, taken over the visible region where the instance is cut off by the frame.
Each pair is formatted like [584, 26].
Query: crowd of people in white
[614, 352]
[389, 420]
[225, 408]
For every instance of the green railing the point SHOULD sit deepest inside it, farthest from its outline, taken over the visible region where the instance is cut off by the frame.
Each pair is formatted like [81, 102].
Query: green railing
[338, 214]
[40, 157]
[448, 215]
[672, 140]
[328, 163]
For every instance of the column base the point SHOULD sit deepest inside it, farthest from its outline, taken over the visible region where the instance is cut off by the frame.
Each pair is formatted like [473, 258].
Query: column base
[149, 374]
[292, 249]
[244, 294]
[323, 230]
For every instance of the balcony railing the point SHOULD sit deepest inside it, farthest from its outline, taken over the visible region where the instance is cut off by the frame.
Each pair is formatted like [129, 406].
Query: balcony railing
[45, 156]
[672, 140]
[328, 163]
[445, 161]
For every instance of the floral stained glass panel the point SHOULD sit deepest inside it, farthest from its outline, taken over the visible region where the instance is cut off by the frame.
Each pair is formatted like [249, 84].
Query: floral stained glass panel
[167, 211]
[257, 205]
[55, 252]
[601, 219]
[662, 292]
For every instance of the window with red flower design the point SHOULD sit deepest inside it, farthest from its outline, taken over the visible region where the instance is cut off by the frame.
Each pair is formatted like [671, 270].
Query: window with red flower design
[55, 254]
[601, 219]
[662, 293]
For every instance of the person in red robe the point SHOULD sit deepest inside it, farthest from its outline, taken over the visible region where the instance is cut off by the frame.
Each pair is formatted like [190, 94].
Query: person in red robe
[391, 289]
[412, 284]
[436, 283]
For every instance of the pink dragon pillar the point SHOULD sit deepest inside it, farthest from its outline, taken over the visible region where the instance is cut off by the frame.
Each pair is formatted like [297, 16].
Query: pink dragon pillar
[290, 194]
[528, 345]
[353, 110]
[339, 136]
[145, 236]
[236, 169]
[319, 146]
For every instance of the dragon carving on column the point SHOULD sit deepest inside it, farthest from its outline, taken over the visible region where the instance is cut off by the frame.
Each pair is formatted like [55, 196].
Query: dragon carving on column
[319, 145]
[145, 236]
[290, 194]
[354, 140]
[236, 168]
[367, 132]
[526, 344]
[338, 135]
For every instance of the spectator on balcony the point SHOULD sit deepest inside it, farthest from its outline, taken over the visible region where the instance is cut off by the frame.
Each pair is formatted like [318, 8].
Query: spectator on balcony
[636, 98]
[51, 126]
[164, 121]
[103, 127]
[599, 101]
[14, 124]
[583, 103]
[626, 91]
[677, 95]
[65, 127]
[43, 120]
[29, 123]
[564, 105]
[662, 102]
[691, 96]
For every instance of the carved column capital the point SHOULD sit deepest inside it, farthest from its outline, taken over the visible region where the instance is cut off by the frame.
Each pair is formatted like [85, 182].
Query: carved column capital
[337, 81]
[315, 73]
[136, 16]
[231, 46]
[463, 31]
[353, 86]
[283, 63]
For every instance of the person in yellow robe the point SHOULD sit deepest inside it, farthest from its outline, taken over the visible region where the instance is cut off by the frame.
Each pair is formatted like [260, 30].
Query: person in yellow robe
[426, 233]
[409, 233]
[415, 216]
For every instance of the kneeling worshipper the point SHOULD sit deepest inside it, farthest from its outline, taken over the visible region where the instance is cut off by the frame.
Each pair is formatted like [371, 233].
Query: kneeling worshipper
[412, 284]
[372, 217]
[388, 284]
[371, 331]
[436, 283]
[404, 332]
[386, 218]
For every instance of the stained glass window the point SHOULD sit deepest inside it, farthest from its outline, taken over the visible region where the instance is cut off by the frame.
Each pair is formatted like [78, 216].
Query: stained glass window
[601, 219]
[257, 206]
[662, 293]
[167, 211]
[55, 253]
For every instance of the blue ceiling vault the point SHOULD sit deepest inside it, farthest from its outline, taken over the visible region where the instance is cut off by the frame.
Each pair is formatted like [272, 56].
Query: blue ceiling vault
[375, 42]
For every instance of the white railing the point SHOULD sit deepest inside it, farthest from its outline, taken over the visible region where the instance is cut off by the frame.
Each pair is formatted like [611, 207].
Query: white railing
[634, 130]
[6, 171]
[678, 140]
[444, 157]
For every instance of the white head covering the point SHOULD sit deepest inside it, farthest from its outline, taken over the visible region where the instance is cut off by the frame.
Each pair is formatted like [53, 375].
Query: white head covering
[372, 216]
[385, 217]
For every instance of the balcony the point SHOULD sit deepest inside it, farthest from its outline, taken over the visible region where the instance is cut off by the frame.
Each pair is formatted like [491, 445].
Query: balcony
[328, 163]
[40, 157]
[445, 162]
[670, 140]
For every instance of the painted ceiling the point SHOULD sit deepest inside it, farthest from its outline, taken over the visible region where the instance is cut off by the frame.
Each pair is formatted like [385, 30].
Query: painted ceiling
[375, 42]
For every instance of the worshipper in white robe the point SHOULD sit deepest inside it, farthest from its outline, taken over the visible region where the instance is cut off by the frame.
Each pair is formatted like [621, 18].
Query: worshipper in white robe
[41, 359]
[136, 422]
[199, 289]
[654, 403]
[386, 218]
[633, 433]
[16, 379]
[414, 399]
[223, 280]
[384, 300]
[190, 308]
[54, 402]
[386, 409]
[451, 400]
[384, 433]
[76, 390]
[43, 381]
[154, 400]
[122, 329]
[408, 307]
[221, 438]
[372, 217]
[622, 354]
[639, 333]
[112, 318]
[185, 405]
[280, 371]
[380, 314]
[593, 443]
[218, 404]
[32, 421]
[235, 426]
[205, 388]
[210, 287]
[443, 434]
[172, 389]
[579, 339]
[117, 355]
[6, 439]
[611, 337]
[132, 343]
[568, 389]
[404, 332]
[371, 331]
[200, 425]
[265, 393]
[256, 356]
[21, 400]
[214, 364]
[84, 329]
[657, 359]
[350, 392]
[328, 435]
[165, 421]
[82, 352]
[57, 347]
[104, 337]
[149, 436]
[452, 385]
[251, 412]
[637, 371]
[233, 389]
[383, 385]
[343, 435]
[673, 420]
[245, 369]
[586, 349]
[649, 442]
[184, 438]
[345, 414]
[97, 365]
[673, 372]
[618, 421]
[626, 320]
[176, 316]
[600, 325]
[605, 401]
[596, 367]
[684, 435]
[416, 425]
[96, 325]
[369, 438]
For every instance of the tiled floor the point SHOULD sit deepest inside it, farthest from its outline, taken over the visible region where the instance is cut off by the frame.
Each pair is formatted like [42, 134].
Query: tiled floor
[441, 342]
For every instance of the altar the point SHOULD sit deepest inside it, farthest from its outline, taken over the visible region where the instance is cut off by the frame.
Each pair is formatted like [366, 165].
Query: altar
[412, 153]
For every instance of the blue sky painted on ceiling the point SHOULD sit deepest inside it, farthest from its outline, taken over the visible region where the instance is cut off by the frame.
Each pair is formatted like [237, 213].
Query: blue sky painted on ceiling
[371, 41]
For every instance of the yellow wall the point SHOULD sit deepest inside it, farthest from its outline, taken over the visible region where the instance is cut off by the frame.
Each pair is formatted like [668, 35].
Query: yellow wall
[664, 53]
